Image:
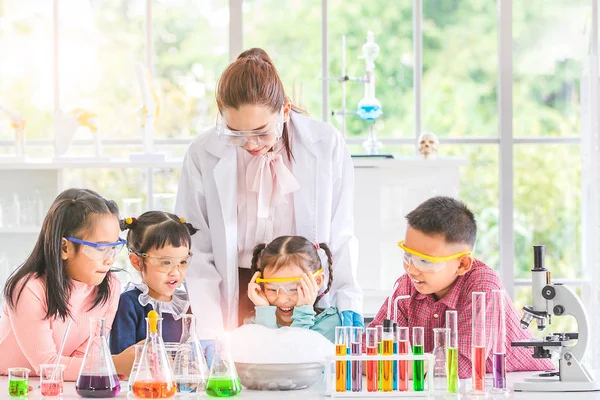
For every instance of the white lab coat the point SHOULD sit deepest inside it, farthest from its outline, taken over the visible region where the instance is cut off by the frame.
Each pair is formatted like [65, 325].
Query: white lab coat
[323, 206]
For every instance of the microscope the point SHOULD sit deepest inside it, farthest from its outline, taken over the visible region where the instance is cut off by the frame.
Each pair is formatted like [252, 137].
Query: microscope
[556, 299]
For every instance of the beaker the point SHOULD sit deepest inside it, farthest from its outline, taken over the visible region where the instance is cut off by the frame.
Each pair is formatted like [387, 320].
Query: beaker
[154, 377]
[51, 380]
[439, 354]
[190, 370]
[138, 349]
[223, 380]
[97, 376]
[18, 382]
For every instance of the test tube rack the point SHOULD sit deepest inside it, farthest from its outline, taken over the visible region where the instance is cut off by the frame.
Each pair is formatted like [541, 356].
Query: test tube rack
[330, 375]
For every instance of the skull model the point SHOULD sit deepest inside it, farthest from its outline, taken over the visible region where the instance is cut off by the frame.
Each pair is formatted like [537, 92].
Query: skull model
[428, 145]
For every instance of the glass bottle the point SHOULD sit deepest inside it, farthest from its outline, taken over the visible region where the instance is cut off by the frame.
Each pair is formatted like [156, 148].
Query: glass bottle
[154, 378]
[191, 371]
[223, 380]
[97, 376]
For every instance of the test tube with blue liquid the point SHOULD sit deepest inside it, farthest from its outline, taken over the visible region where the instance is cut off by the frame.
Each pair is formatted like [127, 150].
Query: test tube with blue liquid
[349, 363]
[395, 362]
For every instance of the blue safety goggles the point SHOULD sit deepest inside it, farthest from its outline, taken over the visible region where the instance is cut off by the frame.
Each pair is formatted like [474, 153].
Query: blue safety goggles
[99, 251]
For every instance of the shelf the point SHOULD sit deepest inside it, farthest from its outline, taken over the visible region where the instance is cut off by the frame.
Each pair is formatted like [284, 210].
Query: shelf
[408, 162]
[20, 229]
[49, 164]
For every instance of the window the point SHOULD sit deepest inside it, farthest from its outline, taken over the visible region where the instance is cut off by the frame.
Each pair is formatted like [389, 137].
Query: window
[26, 70]
[187, 43]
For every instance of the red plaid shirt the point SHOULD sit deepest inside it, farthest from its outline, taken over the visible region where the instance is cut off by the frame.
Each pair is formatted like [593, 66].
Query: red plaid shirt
[423, 310]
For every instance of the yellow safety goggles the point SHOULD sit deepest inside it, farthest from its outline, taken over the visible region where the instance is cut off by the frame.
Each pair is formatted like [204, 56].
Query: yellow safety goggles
[292, 279]
[426, 263]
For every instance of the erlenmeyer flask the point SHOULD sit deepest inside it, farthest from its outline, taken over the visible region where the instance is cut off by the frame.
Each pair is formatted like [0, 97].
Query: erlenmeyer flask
[154, 377]
[223, 380]
[98, 376]
[138, 350]
[190, 367]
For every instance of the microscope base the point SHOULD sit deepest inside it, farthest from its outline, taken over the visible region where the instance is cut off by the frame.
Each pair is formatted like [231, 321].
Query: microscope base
[541, 384]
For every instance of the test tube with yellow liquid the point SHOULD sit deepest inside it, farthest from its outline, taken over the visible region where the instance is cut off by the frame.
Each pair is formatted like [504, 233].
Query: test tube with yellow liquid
[341, 367]
[387, 380]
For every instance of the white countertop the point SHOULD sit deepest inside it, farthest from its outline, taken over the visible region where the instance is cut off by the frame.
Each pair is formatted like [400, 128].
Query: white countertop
[313, 393]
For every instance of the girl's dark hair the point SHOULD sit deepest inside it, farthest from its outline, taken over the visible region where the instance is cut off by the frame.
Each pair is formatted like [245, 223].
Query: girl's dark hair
[71, 214]
[296, 250]
[253, 79]
[157, 229]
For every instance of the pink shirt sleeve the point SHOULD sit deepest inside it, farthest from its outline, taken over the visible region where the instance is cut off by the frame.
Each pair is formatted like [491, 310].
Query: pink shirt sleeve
[34, 334]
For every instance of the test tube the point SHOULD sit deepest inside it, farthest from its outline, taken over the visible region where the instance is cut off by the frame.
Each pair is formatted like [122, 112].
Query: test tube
[356, 350]
[478, 341]
[341, 349]
[499, 341]
[452, 351]
[395, 362]
[371, 345]
[439, 352]
[380, 362]
[403, 344]
[388, 350]
[348, 363]
[418, 365]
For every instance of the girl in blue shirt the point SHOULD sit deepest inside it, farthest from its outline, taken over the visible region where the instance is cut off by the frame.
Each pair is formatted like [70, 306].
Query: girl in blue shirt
[159, 248]
[288, 276]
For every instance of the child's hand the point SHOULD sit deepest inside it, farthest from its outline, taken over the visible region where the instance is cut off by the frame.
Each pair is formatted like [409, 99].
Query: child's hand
[307, 290]
[255, 292]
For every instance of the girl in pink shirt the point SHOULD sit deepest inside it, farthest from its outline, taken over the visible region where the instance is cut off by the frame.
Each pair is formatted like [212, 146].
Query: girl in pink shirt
[66, 277]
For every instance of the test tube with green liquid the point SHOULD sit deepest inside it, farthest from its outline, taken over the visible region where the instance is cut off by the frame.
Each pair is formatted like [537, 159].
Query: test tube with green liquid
[452, 351]
[418, 365]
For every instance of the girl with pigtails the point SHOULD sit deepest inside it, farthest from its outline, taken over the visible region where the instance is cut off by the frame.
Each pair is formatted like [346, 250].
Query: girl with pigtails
[288, 276]
[159, 249]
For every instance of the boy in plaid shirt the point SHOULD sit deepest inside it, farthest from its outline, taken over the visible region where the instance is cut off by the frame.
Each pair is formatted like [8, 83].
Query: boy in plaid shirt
[441, 274]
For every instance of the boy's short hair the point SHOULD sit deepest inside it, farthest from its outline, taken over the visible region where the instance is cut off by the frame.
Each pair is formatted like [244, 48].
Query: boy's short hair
[445, 216]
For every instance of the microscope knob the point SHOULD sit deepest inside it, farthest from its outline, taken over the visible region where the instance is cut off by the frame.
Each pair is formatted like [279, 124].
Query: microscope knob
[548, 292]
[559, 310]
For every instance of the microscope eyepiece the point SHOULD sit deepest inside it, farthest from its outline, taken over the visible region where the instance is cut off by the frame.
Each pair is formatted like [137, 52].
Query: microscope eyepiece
[538, 258]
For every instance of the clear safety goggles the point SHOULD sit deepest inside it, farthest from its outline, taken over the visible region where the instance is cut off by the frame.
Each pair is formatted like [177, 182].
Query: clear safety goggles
[287, 285]
[425, 263]
[258, 136]
[99, 251]
[164, 264]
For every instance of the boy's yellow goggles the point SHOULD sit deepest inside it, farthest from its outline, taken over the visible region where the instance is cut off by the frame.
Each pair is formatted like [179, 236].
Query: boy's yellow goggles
[292, 279]
[426, 263]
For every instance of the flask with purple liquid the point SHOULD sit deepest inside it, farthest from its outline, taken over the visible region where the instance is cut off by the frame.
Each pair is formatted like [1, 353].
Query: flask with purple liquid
[98, 376]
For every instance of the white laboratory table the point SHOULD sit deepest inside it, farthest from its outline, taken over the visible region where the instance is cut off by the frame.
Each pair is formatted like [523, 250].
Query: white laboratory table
[317, 392]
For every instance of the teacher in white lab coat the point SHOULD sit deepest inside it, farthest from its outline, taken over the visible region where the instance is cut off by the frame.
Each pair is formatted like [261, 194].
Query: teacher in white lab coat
[264, 171]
